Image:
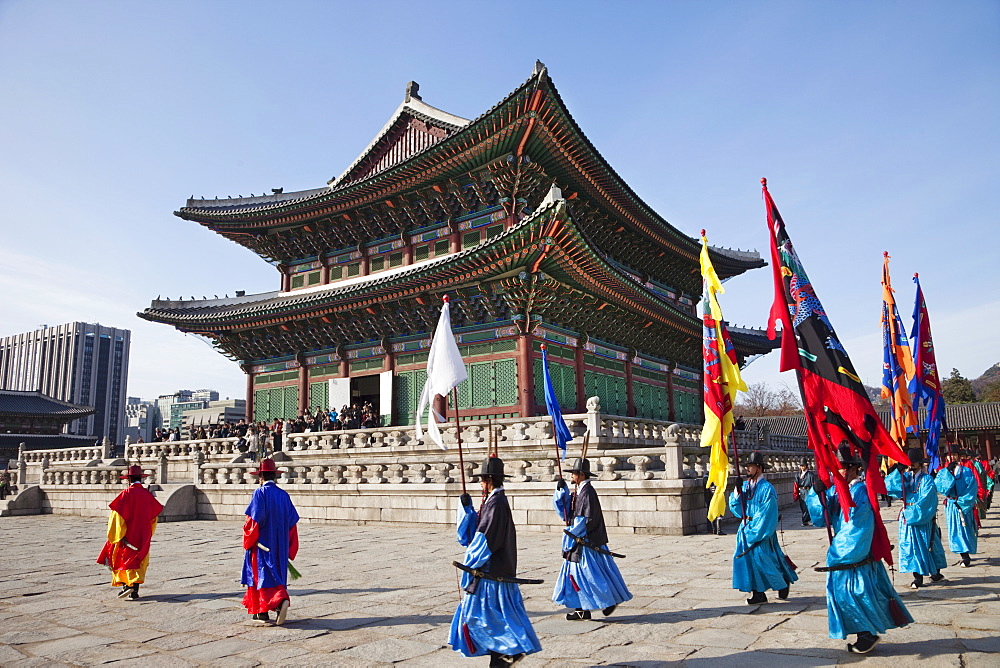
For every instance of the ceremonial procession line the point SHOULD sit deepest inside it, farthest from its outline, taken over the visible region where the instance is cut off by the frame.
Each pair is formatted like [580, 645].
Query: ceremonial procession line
[372, 596]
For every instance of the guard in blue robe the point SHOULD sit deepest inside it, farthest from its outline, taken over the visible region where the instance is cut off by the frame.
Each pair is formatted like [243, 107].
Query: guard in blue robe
[860, 597]
[270, 540]
[958, 486]
[758, 562]
[589, 578]
[920, 549]
[491, 618]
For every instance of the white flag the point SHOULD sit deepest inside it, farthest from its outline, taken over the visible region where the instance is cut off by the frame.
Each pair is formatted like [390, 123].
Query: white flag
[445, 370]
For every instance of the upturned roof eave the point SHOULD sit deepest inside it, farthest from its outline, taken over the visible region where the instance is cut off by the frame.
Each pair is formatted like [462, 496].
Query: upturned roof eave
[728, 264]
[298, 303]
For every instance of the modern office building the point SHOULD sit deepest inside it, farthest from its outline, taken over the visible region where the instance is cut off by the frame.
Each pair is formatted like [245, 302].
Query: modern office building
[139, 418]
[79, 363]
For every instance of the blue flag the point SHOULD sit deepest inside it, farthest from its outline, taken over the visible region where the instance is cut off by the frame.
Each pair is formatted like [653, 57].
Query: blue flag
[552, 406]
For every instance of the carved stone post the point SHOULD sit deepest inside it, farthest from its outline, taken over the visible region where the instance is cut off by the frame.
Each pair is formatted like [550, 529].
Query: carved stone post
[673, 458]
[197, 458]
[594, 416]
[161, 473]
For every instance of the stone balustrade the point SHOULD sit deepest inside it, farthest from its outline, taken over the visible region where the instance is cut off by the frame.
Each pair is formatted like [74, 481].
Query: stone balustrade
[696, 460]
[84, 455]
[91, 475]
[646, 468]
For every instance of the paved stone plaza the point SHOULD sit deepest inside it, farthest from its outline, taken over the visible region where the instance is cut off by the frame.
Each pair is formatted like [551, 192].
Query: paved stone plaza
[372, 596]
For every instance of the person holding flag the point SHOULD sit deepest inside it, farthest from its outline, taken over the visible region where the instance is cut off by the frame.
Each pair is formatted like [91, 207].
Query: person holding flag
[131, 527]
[758, 563]
[860, 598]
[722, 380]
[491, 618]
[920, 548]
[589, 578]
[925, 385]
[271, 540]
[957, 484]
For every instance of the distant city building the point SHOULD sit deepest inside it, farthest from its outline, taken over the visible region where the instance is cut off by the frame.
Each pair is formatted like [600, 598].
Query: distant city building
[170, 408]
[139, 418]
[204, 395]
[215, 413]
[80, 363]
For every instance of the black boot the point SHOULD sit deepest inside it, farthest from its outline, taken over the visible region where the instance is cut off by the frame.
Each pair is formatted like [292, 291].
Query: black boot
[608, 610]
[918, 581]
[966, 561]
[864, 644]
[758, 597]
[134, 594]
[124, 592]
[937, 577]
[578, 615]
[783, 593]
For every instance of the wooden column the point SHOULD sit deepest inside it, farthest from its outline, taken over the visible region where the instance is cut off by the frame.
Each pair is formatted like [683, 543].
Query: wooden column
[248, 370]
[303, 385]
[672, 408]
[286, 279]
[365, 262]
[990, 440]
[456, 240]
[581, 387]
[408, 250]
[440, 405]
[324, 272]
[525, 376]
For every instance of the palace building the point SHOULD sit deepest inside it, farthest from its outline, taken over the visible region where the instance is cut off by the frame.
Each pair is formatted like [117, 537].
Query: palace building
[514, 215]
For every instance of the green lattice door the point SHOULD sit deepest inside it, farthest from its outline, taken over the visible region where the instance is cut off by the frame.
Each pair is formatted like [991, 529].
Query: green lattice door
[319, 395]
[563, 382]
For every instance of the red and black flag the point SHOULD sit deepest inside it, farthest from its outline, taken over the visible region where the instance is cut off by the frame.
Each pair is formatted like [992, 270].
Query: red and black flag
[835, 402]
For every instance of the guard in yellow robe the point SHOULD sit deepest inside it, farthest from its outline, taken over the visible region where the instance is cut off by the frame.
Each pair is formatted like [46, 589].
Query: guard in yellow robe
[130, 531]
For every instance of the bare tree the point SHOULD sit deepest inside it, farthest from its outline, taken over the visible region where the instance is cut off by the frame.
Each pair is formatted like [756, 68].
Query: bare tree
[762, 401]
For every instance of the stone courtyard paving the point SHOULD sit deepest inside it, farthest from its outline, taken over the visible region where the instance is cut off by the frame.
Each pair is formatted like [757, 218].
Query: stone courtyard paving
[374, 596]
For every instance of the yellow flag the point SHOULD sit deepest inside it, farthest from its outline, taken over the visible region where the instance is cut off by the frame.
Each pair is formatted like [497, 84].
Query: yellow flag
[722, 380]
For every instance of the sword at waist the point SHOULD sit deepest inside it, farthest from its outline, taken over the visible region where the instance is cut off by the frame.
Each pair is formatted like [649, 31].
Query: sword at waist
[587, 543]
[483, 575]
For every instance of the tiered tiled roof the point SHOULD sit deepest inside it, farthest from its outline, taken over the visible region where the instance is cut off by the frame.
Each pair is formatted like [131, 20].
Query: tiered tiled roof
[569, 284]
[427, 167]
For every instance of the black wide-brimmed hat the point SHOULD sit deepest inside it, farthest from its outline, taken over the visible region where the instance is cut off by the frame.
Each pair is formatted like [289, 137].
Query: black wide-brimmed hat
[579, 465]
[847, 457]
[756, 459]
[916, 455]
[491, 466]
[805, 462]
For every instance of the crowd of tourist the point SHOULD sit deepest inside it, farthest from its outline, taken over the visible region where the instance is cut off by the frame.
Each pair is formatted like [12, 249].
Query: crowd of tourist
[260, 439]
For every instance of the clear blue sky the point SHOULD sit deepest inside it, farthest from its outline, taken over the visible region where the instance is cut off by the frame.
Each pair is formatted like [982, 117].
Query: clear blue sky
[876, 124]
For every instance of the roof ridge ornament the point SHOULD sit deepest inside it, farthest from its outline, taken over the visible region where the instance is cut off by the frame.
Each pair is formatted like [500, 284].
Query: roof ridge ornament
[539, 68]
[413, 91]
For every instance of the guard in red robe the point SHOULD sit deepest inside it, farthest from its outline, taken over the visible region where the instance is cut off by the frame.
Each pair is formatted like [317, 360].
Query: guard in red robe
[130, 531]
[270, 539]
